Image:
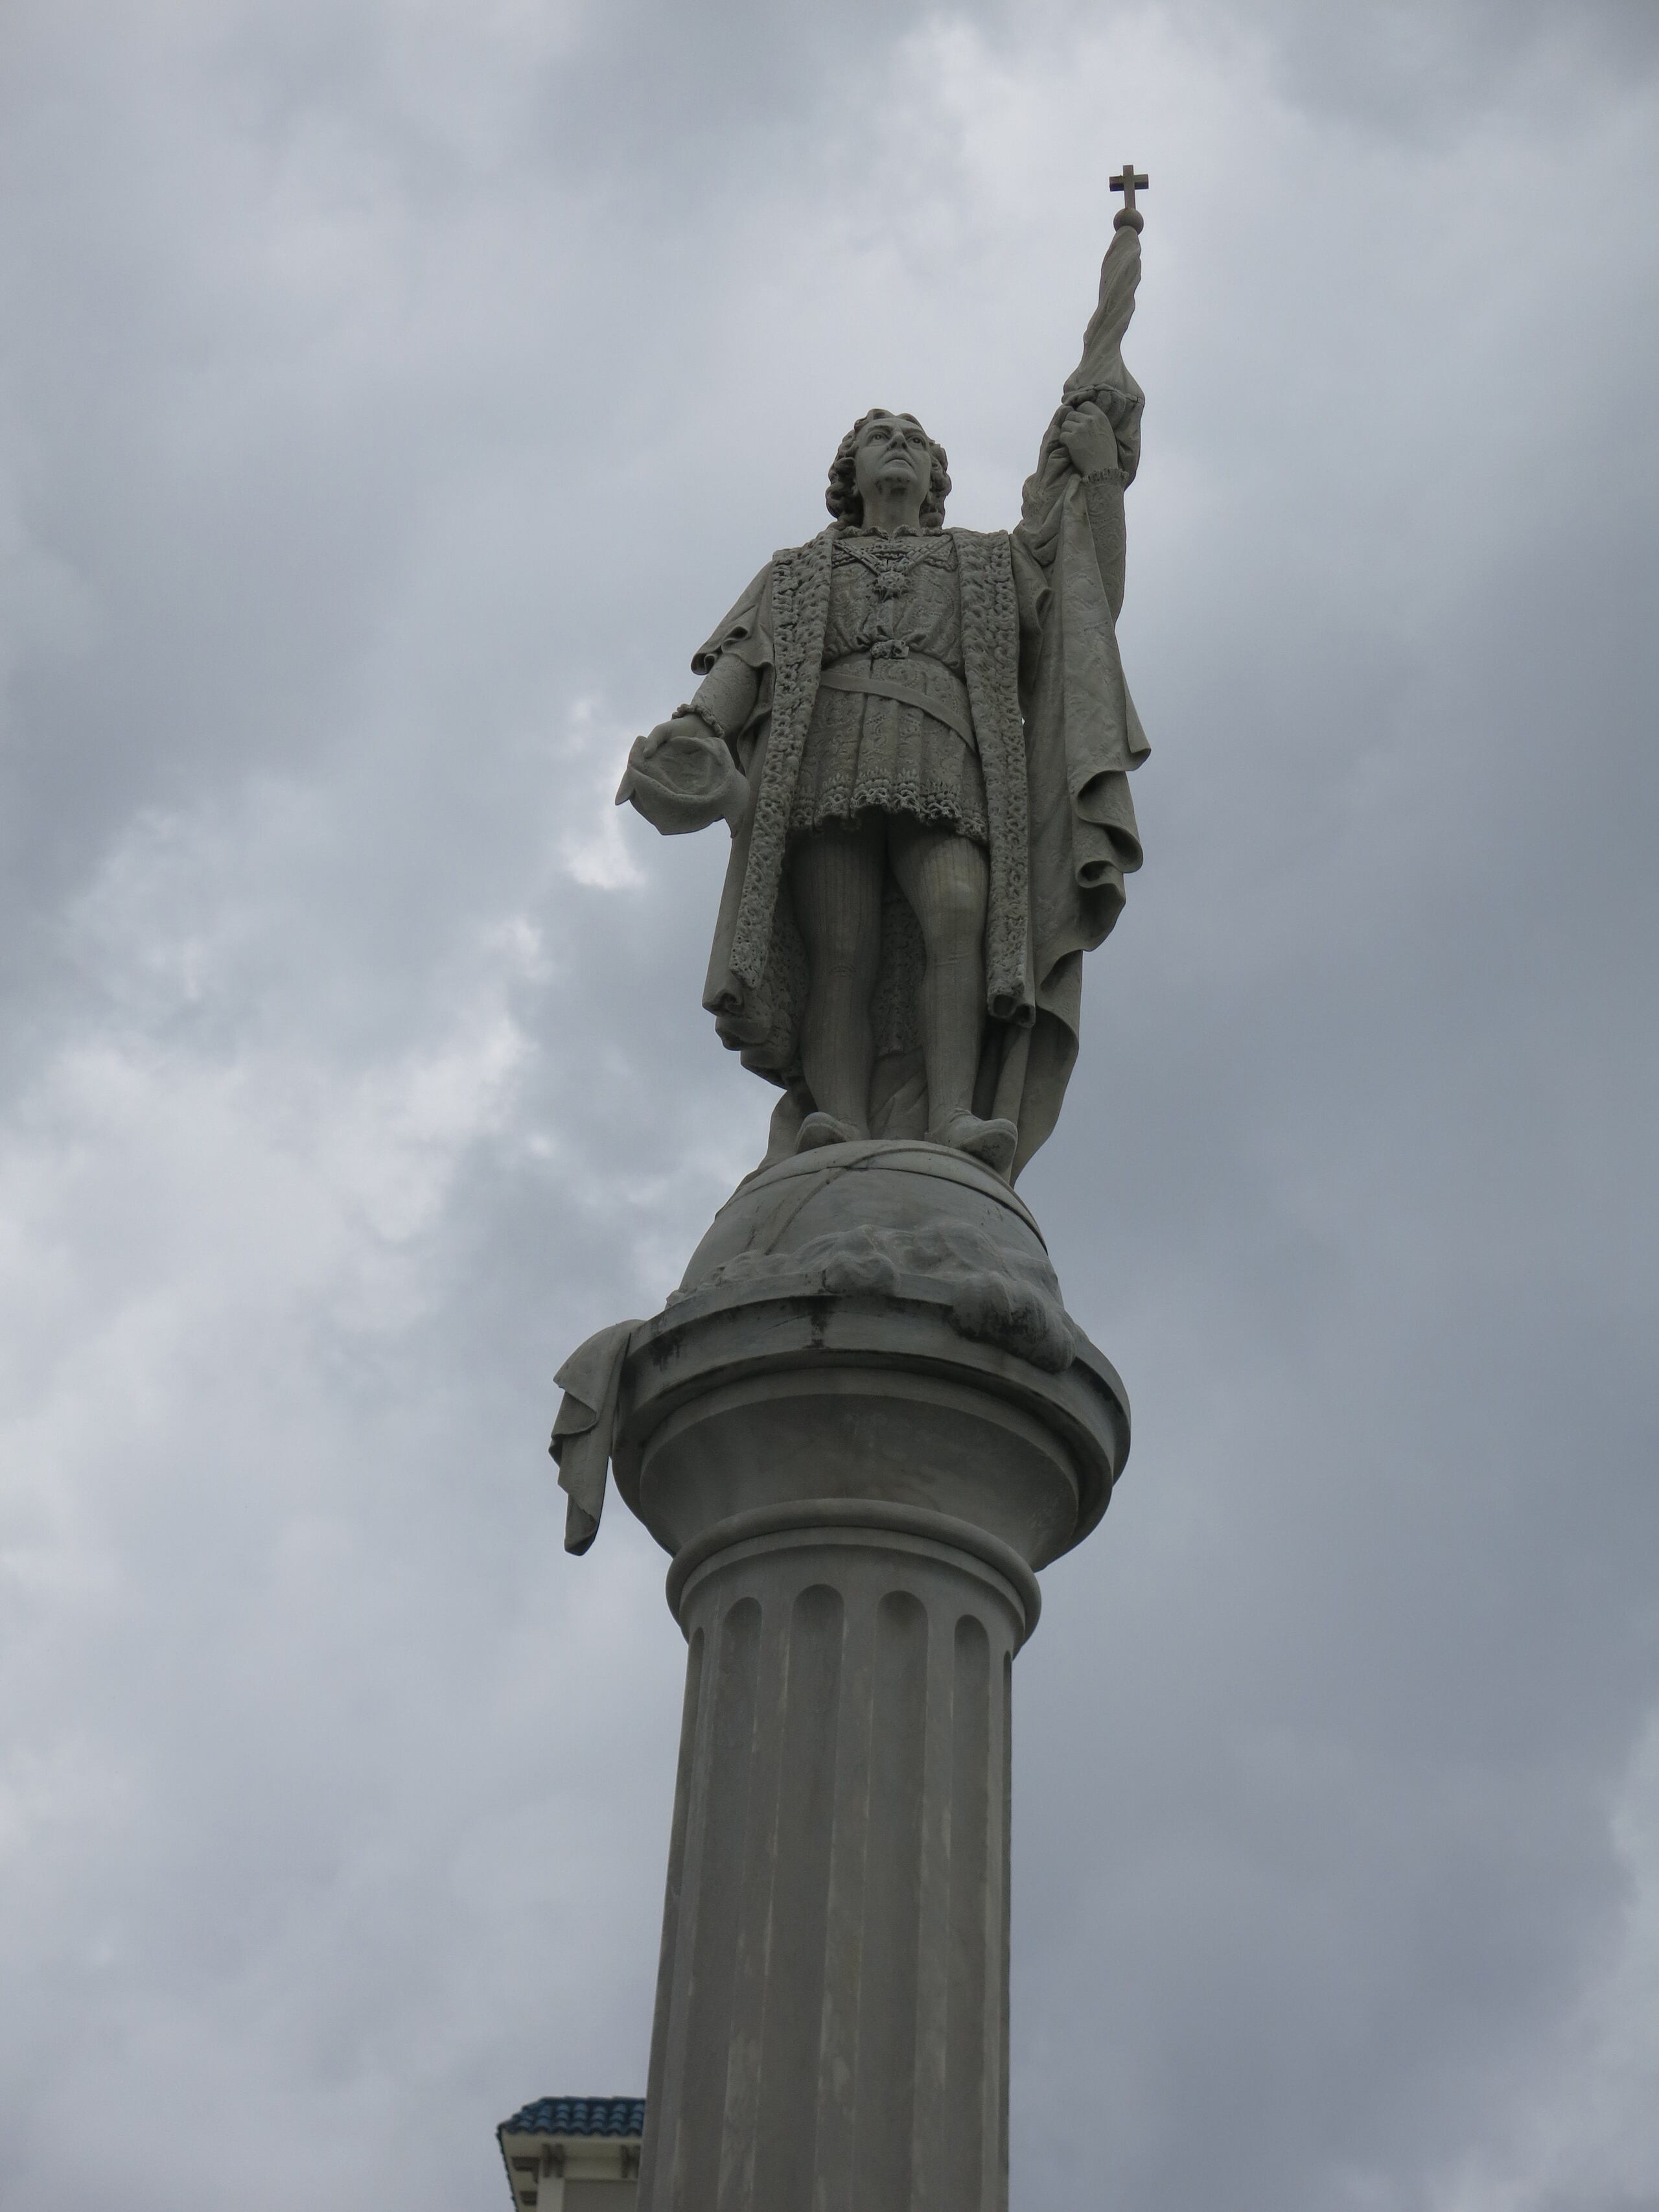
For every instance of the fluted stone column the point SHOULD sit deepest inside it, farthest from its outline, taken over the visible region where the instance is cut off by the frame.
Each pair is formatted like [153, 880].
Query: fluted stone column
[835, 1970]
[856, 1492]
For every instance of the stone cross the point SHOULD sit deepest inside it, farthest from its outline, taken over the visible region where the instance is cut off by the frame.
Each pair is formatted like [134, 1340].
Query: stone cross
[1131, 181]
[1129, 216]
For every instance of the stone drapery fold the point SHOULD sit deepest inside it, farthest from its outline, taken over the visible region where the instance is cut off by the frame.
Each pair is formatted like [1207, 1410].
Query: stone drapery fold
[585, 1425]
[800, 609]
[990, 647]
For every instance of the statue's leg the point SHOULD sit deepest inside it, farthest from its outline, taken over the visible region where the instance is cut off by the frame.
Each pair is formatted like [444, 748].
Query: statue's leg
[946, 878]
[835, 875]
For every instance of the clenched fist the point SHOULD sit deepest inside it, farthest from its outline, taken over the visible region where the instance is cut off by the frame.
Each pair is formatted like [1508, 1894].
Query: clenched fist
[1097, 434]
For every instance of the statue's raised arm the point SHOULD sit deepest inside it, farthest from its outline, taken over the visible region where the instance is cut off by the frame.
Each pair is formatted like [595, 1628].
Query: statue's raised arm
[920, 738]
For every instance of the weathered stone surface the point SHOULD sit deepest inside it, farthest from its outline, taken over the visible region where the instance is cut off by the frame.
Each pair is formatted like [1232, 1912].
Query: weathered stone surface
[856, 1489]
[832, 2018]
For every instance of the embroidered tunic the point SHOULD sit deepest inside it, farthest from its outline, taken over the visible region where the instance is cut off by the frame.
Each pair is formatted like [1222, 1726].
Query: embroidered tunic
[891, 730]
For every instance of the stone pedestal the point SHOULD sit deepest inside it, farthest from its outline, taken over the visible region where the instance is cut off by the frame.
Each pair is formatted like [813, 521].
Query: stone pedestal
[861, 1425]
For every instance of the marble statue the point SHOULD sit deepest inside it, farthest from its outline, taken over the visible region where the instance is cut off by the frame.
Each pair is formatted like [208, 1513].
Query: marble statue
[920, 738]
[865, 1419]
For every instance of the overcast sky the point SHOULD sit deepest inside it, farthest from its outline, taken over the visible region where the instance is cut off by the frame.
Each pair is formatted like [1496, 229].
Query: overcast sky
[392, 394]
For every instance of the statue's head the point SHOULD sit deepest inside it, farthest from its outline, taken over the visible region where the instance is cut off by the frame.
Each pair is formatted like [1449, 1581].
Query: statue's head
[885, 448]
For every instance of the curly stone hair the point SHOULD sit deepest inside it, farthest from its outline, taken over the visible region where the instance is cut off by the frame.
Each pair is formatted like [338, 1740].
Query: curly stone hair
[845, 501]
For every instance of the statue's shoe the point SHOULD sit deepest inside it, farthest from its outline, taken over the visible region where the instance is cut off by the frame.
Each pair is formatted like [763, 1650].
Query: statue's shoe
[824, 1129]
[993, 1142]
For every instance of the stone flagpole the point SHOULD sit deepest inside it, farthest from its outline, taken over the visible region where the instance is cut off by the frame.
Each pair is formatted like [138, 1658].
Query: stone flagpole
[866, 1418]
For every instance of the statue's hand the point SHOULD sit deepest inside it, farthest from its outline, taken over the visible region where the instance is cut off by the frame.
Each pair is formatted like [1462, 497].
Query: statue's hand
[653, 741]
[1088, 438]
[681, 777]
[1104, 431]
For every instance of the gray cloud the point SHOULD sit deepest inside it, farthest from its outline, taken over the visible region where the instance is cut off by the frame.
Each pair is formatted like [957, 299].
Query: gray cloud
[389, 400]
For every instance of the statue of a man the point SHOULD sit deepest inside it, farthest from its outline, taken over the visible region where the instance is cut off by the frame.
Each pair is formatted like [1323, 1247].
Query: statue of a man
[920, 737]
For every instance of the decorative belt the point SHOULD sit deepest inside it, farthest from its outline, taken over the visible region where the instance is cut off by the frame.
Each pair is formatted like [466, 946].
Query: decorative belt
[936, 689]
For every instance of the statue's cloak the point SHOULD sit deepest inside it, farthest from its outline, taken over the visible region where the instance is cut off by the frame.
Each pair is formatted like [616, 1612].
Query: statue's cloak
[1057, 735]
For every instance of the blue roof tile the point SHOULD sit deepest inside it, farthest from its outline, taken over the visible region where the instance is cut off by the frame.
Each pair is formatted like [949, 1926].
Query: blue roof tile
[578, 2116]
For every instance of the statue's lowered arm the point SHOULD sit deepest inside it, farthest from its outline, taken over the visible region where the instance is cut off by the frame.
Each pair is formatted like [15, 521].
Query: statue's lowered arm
[690, 770]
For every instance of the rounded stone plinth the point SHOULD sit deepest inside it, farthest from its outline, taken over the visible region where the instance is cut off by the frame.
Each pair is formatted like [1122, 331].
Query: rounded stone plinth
[892, 1310]
[895, 1216]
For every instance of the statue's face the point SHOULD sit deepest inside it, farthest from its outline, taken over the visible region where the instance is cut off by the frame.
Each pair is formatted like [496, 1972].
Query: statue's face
[893, 456]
